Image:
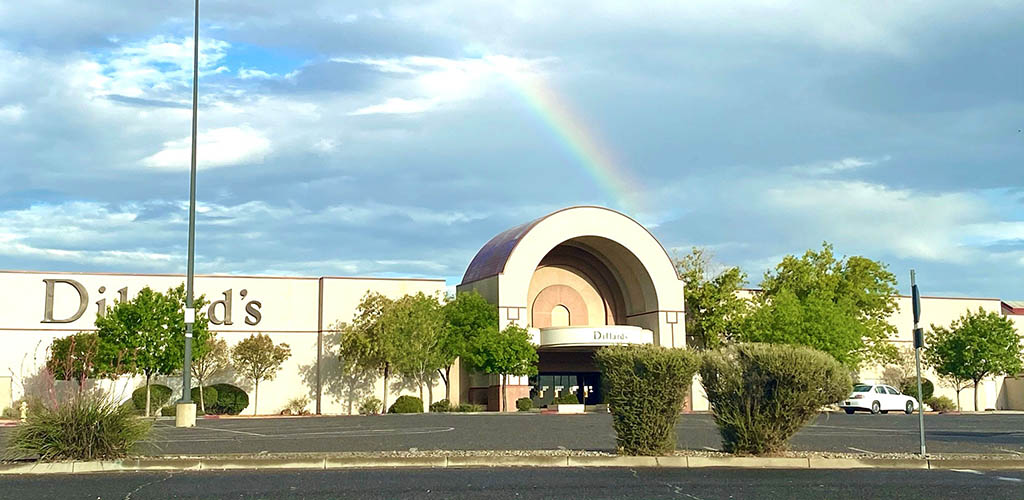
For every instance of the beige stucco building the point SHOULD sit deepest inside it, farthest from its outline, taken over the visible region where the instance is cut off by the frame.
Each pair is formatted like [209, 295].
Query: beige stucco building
[578, 279]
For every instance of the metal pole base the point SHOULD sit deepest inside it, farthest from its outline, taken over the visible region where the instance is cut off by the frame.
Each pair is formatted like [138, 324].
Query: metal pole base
[185, 415]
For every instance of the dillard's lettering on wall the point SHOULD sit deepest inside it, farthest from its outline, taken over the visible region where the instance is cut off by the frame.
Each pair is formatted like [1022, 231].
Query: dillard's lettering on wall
[219, 311]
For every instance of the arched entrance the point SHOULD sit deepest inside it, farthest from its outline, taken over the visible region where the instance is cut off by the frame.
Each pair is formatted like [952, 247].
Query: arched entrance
[578, 278]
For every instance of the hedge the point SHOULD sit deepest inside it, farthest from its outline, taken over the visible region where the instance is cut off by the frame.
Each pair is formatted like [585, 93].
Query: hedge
[231, 400]
[524, 404]
[909, 387]
[442, 406]
[407, 404]
[209, 397]
[159, 395]
[645, 387]
[762, 394]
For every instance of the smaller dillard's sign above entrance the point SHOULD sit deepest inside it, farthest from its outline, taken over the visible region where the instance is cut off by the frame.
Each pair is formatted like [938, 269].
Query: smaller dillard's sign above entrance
[591, 336]
[219, 311]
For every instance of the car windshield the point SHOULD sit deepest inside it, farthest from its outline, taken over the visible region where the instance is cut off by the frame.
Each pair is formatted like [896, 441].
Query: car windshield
[861, 388]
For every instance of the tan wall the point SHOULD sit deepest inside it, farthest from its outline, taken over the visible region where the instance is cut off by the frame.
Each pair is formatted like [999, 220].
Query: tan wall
[289, 310]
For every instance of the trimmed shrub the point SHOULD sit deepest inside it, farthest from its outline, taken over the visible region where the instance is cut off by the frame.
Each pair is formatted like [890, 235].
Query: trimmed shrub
[645, 387]
[209, 397]
[762, 394]
[231, 400]
[568, 398]
[159, 395]
[171, 410]
[369, 406]
[407, 404]
[469, 408]
[909, 387]
[90, 427]
[940, 403]
[524, 404]
[442, 406]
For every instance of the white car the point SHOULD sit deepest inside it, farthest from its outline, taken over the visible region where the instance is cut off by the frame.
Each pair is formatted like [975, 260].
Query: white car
[878, 398]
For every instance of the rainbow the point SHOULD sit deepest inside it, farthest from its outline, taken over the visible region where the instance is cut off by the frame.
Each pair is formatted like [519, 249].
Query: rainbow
[572, 131]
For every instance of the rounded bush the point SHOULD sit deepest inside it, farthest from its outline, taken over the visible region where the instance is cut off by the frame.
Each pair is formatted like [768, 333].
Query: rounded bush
[645, 387]
[442, 406]
[209, 396]
[524, 404]
[89, 427]
[407, 404]
[159, 395]
[231, 400]
[762, 394]
[940, 403]
[568, 398]
[909, 387]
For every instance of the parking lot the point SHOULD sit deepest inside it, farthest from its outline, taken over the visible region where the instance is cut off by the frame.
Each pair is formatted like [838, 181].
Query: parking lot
[835, 432]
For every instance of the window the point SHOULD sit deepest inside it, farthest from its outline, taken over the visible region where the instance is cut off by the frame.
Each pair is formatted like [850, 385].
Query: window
[861, 388]
[890, 390]
[880, 390]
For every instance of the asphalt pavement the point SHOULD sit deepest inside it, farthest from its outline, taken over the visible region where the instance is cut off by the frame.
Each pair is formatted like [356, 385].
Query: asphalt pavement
[835, 432]
[540, 483]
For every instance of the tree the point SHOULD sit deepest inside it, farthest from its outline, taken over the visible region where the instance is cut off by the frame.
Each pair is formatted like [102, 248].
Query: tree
[364, 343]
[257, 358]
[146, 335]
[74, 357]
[974, 346]
[839, 306]
[714, 310]
[208, 360]
[466, 317]
[415, 322]
[504, 353]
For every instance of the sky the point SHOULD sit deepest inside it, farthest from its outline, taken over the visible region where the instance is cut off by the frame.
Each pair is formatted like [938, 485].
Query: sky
[395, 138]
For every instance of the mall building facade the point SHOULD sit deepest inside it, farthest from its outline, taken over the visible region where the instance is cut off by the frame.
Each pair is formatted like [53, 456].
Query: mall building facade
[578, 279]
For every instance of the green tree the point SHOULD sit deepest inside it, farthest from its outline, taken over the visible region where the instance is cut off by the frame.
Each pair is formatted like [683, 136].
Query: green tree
[365, 344]
[714, 309]
[839, 306]
[208, 360]
[74, 357]
[257, 358]
[504, 353]
[146, 335]
[975, 346]
[416, 323]
[466, 317]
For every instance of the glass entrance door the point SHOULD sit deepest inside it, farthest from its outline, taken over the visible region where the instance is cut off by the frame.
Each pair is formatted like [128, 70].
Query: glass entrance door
[546, 386]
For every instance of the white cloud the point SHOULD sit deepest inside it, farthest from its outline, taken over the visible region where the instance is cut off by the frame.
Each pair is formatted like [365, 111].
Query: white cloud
[438, 80]
[219, 147]
[11, 113]
[397, 105]
[836, 166]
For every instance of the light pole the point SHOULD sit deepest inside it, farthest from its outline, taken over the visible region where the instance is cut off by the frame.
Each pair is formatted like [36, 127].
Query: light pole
[918, 345]
[186, 409]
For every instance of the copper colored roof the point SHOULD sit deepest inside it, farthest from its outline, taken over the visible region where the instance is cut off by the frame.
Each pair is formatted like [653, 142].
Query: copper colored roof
[490, 260]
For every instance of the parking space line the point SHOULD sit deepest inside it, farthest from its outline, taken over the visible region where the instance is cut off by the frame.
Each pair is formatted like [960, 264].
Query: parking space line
[233, 431]
[859, 449]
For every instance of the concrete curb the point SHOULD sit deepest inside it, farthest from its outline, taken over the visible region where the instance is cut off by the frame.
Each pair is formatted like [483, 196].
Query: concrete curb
[456, 461]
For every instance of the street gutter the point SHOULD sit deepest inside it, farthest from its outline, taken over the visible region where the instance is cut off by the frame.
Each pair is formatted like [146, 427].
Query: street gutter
[344, 461]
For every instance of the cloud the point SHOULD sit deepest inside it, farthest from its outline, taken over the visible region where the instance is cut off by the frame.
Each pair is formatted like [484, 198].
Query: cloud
[11, 113]
[837, 166]
[397, 105]
[219, 147]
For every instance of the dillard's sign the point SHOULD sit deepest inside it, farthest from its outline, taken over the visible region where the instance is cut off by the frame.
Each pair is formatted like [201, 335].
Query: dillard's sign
[219, 311]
